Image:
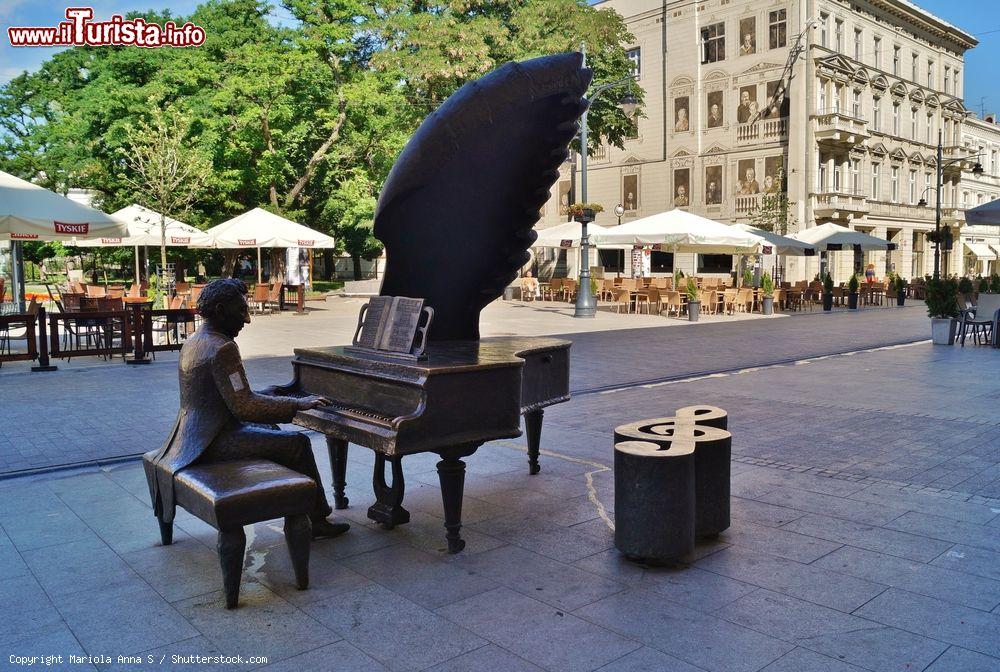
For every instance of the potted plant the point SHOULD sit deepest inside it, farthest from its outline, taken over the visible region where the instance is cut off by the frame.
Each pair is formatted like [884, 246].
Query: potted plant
[900, 287]
[694, 305]
[585, 212]
[747, 277]
[965, 287]
[983, 286]
[767, 292]
[828, 293]
[678, 274]
[942, 308]
[852, 292]
[995, 284]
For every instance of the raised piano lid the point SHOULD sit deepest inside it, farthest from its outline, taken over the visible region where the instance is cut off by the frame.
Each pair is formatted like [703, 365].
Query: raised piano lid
[442, 356]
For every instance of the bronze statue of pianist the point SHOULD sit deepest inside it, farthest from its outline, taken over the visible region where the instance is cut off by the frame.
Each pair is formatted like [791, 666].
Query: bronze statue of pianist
[219, 412]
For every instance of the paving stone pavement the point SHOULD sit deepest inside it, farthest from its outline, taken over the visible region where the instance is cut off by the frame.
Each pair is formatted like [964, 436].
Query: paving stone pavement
[866, 512]
[90, 410]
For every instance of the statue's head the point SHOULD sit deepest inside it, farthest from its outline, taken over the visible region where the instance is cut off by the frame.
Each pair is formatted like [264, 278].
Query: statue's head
[223, 304]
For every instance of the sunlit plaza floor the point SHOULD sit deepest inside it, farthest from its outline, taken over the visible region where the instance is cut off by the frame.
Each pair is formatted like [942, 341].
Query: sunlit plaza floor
[865, 516]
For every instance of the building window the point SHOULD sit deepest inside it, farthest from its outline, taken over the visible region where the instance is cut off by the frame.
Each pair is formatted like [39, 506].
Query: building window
[858, 44]
[821, 175]
[927, 187]
[930, 74]
[895, 184]
[856, 104]
[837, 90]
[876, 181]
[895, 119]
[856, 176]
[715, 263]
[957, 90]
[877, 50]
[993, 162]
[895, 61]
[914, 67]
[776, 30]
[913, 123]
[659, 262]
[635, 56]
[947, 79]
[930, 128]
[839, 35]
[824, 30]
[836, 177]
[876, 113]
[913, 187]
[821, 97]
[713, 43]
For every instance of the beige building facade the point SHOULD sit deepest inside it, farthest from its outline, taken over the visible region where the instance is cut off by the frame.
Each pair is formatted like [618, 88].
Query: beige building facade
[836, 104]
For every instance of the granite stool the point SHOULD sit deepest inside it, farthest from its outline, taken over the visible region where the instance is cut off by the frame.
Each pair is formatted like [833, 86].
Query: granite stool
[653, 519]
[228, 495]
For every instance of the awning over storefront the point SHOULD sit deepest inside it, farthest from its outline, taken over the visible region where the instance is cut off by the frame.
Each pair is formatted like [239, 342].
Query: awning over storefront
[980, 250]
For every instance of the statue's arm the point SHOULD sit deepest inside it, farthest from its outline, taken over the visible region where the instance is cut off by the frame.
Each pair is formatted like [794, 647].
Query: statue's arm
[244, 403]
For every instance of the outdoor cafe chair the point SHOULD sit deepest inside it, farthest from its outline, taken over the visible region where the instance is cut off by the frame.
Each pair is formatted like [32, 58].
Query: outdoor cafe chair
[672, 301]
[982, 319]
[551, 288]
[649, 296]
[116, 291]
[16, 331]
[274, 296]
[95, 291]
[622, 298]
[744, 300]
[709, 302]
[729, 296]
[607, 289]
[568, 289]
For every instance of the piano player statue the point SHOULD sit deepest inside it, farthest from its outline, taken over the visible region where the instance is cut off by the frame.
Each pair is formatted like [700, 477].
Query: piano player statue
[456, 215]
[222, 419]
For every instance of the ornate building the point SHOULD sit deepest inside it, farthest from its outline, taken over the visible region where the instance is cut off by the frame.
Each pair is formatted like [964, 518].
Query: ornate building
[837, 104]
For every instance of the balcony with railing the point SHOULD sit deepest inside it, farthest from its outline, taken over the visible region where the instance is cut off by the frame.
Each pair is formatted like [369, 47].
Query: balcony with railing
[838, 127]
[953, 214]
[903, 211]
[839, 204]
[762, 131]
[747, 204]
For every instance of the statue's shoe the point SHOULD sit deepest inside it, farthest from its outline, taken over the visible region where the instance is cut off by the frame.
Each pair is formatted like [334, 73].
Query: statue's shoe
[324, 529]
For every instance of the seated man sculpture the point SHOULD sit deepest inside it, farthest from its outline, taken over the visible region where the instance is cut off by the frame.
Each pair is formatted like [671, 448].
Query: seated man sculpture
[219, 411]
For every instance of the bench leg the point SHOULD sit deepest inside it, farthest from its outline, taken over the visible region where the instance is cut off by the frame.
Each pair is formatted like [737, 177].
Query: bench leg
[231, 546]
[298, 534]
[166, 532]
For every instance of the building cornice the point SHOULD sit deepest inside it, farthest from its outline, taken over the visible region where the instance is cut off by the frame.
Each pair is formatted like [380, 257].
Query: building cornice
[924, 20]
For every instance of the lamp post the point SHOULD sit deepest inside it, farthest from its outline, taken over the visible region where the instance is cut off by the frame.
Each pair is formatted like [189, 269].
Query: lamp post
[586, 306]
[619, 211]
[976, 170]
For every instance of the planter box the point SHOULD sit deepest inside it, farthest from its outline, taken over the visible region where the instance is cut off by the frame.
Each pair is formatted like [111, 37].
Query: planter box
[943, 330]
[694, 309]
[852, 301]
[767, 305]
[827, 301]
[901, 298]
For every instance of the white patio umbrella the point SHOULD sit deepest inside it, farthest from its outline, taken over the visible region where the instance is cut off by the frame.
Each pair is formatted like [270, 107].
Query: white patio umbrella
[780, 244]
[833, 237]
[683, 231]
[144, 230]
[259, 228]
[566, 235]
[30, 212]
[987, 213]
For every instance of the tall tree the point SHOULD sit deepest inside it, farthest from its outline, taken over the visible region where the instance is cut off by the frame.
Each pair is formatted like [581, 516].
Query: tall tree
[165, 169]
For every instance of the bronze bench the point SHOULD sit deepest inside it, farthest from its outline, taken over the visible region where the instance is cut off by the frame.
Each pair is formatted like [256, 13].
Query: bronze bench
[228, 495]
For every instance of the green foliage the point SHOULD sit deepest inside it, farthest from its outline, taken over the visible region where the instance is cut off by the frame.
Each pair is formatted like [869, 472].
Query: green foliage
[350, 213]
[678, 274]
[995, 284]
[899, 283]
[982, 285]
[747, 277]
[852, 284]
[767, 285]
[36, 252]
[965, 285]
[828, 284]
[942, 298]
[773, 212]
[691, 289]
[576, 209]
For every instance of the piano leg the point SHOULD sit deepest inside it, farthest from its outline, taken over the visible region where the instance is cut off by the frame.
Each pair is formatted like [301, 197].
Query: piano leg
[451, 473]
[338, 467]
[533, 432]
[388, 508]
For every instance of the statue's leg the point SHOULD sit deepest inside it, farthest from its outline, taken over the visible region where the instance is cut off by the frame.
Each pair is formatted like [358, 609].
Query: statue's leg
[231, 546]
[338, 468]
[298, 533]
[289, 449]
[533, 432]
[451, 474]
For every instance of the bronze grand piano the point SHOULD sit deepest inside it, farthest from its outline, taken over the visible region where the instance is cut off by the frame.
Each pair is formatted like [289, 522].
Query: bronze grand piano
[465, 394]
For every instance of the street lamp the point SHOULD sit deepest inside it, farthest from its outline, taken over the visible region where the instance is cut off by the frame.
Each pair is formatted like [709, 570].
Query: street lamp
[977, 170]
[586, 306]
[619, 211]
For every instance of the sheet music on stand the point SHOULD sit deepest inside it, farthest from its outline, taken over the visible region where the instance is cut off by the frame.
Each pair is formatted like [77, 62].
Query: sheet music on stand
[392, 327]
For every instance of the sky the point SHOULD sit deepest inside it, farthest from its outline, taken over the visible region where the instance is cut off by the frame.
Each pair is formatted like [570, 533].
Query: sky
[981, 18]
